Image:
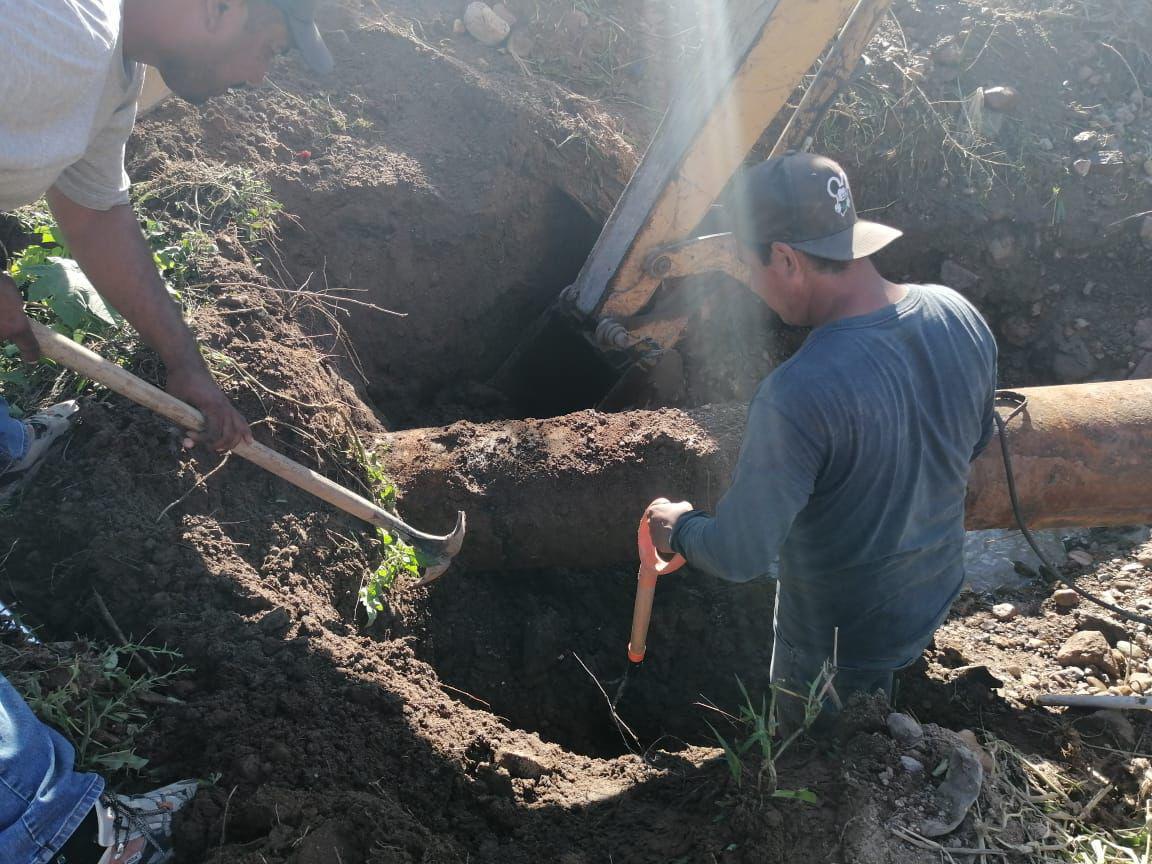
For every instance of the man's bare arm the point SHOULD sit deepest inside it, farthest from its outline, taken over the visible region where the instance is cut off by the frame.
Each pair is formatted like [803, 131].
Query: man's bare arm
[111, 250]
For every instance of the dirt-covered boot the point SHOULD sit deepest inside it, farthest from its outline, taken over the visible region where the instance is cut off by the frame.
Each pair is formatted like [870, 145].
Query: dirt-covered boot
[137, 829]
[42, 431]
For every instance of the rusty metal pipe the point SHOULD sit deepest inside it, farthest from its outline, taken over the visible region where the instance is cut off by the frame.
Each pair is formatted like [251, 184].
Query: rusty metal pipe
[567, 491]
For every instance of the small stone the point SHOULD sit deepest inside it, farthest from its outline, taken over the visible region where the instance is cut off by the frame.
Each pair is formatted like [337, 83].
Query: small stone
[1002, 248]
[1001, 98]
[1005, 611]
[485, 25]
[1087, 648]
[1081, 323]
[1143, 369]
[1082, 167]
[1109, 163]
[1113, 631]
[1123, 585]
[1080, 557]
[1084, 73]
[1143, 680]
[1086, 142]
[458, 27]
[1015, 670]
[521, 765]
[1096, 684]
[1035, 643]
[912, 766]
[1130, 650]
[504, 12]
[276, 621]
[904, 729]
[1045, 144]
[1072, 368]
[949, 53]
[1065, 598]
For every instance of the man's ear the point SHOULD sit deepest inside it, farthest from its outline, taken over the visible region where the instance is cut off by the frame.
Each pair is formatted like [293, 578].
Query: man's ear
[787, 257]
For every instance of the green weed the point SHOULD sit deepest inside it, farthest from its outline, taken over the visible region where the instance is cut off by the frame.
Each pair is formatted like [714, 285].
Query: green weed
[92, 697]
[397, 557]
[212, 197]
[757, 748]
[60, 296]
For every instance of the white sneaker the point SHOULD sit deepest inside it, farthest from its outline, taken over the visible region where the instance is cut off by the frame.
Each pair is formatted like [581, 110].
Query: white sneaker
[137, 829]
[43, 430]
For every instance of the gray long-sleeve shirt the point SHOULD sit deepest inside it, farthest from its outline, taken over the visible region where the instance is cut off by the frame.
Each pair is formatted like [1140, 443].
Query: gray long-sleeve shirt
[853, 468]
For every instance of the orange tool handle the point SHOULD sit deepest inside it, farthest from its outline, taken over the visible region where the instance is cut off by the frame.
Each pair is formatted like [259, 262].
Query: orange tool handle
[652, 567]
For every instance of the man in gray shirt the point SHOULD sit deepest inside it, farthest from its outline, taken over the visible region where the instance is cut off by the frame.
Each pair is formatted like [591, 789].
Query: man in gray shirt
[855, 460]
[72, 77]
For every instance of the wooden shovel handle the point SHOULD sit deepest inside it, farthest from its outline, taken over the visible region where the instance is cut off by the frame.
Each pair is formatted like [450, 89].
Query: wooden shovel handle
[91, 365]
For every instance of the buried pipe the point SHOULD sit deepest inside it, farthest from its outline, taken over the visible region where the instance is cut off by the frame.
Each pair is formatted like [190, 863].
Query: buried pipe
[567, 491]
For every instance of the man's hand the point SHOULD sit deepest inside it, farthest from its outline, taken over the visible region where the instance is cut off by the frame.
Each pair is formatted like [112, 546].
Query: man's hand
[14, 323]
[662, 517]
[113, 254]
[224, 426]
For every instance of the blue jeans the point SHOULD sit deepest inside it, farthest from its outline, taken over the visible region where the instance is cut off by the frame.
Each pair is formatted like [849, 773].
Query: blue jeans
[42, 800]
[13, 439]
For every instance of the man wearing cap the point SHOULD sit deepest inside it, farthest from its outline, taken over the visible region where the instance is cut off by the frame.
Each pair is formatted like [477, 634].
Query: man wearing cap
[73, 75]
[855, 459]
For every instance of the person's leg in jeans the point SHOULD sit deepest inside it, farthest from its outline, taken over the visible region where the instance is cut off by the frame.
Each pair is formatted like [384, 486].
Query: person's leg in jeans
[13, 438]
[25, 444]
[795, 671]
[43, 799]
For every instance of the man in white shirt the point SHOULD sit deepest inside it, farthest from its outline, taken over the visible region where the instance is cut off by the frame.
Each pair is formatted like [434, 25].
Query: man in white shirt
[73, 73]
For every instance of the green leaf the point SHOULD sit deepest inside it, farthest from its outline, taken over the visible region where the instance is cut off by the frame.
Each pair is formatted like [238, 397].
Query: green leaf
[122, 759]
[63, 286]
[806, 795]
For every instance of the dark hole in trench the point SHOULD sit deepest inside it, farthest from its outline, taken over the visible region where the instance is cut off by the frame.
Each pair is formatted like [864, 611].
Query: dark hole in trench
[512, 640]
[553, 369]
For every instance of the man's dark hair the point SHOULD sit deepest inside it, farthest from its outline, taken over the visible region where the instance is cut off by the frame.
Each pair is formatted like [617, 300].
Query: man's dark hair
[822, 265]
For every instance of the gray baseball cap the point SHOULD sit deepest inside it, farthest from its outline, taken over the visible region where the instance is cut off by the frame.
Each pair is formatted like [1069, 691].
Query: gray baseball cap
[301, 18]
[804, 200]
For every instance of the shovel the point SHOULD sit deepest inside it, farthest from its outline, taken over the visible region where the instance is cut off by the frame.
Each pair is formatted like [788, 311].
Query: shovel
[652, 567]
[436, 552]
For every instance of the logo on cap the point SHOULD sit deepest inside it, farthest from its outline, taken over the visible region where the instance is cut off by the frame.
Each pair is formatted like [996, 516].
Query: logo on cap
[838, 190]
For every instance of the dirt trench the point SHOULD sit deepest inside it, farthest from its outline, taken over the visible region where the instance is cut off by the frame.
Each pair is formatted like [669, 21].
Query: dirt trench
[469, 722]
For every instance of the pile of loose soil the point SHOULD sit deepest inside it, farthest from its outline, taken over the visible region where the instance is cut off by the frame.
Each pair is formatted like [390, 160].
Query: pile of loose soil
[447, 182]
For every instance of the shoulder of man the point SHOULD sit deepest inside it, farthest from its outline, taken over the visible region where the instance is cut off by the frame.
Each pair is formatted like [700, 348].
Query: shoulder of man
[797, 389]
[36, 29]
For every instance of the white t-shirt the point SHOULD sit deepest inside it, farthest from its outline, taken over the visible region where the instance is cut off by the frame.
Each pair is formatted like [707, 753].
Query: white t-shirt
[67, 103]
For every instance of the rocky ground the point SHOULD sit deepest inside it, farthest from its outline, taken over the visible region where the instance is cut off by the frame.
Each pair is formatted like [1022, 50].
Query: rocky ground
[461, 185]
